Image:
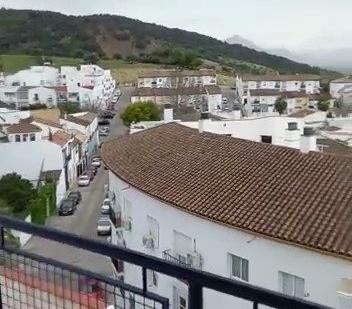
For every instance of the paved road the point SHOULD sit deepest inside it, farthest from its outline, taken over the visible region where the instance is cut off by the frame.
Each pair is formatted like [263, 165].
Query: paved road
[83, 222]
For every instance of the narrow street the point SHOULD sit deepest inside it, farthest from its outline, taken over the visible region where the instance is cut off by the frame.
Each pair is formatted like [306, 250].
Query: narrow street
[83, 222]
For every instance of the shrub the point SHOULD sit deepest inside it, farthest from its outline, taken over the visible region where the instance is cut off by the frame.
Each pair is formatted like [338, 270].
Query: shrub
[280, 106]
[323, 106]
[140, 111]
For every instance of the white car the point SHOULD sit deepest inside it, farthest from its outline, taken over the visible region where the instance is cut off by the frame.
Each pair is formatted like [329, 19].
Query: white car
[103, 132]
[96, 162]
[83, 181]
[224, 100]
[106, 207]
[104, 226]
[118, 92]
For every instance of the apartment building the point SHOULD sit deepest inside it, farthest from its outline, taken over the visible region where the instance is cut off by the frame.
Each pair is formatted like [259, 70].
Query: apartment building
[240, 209]
[309, 84]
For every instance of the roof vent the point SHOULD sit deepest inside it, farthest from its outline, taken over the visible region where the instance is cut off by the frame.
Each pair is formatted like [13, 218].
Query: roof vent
[308, 131]
[167, 106]
[292, 126]
[204, 116]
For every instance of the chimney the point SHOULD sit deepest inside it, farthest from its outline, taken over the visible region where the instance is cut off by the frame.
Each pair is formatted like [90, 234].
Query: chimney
[292, 136]
[168, 113]
[308, 140]
[204, 120]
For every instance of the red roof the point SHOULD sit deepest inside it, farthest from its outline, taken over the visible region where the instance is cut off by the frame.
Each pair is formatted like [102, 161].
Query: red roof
[23, 127]
[273, 191]
[61, 138]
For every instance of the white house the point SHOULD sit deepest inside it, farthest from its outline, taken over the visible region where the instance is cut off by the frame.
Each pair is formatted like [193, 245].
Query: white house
[276, 130]
[177, 78]
[338, 84]
[89, 84]
[35, 76]
[24, 132]
[32, 160]
[9, 116]
[86, 124]
[306, 83]
[207, 98]
[271, 216]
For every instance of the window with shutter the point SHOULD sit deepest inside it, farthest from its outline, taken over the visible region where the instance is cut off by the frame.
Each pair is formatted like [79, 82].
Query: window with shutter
[239, 267]
[291, 285]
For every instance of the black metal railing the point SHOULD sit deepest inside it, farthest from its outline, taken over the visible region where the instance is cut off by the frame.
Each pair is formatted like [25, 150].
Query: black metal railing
[169, 256]
[16, 277]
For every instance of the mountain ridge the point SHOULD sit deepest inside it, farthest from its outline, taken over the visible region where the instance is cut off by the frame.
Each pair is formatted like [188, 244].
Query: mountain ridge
[50, 33]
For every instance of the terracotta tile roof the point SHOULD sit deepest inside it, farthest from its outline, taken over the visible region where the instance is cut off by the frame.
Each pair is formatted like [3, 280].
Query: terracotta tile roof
[175, 73]
[277, 192]
[264, 92]
[23, 127]
[294, 94]
[61, 138]
[334, 147]
[301, 114]
[83, 119]
[47, 122]
[297, 77]
[167, 92]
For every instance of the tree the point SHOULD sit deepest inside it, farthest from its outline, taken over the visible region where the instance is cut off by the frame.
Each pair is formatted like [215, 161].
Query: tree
[140, 111]
[118, 56]
[280, 106]
[91, 58]
[16, 192]
[323, 106]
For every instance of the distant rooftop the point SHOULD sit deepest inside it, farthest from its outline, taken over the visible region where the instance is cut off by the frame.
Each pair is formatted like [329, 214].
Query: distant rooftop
[172, 73]
[297, 77]
[176, 91]
[23, 127]
[343, 80]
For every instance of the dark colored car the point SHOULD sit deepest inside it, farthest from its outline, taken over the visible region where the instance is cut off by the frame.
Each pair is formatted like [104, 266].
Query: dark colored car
[90, 174]
[103, 122]
[74, 198]
[67, 207]
[93, 169]
[77, 193]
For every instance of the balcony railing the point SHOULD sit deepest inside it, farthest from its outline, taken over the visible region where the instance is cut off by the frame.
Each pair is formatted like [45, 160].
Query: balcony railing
[193, 259]
[31, 281]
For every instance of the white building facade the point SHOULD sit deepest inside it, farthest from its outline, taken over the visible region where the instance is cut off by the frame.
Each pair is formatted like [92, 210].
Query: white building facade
[309, 84]
[338, 84]
[184, 234]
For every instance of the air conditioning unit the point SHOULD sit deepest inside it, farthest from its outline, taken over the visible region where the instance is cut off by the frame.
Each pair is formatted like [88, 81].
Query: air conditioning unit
[194, 259]
[148, 242]
[127, 224]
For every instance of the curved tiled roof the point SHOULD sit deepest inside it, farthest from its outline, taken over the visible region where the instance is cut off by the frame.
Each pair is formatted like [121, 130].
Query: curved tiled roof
[23, 127]
[278, 192]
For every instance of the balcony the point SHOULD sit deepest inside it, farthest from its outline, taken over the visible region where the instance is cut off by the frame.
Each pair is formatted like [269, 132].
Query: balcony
[193, 259]
[28, 280]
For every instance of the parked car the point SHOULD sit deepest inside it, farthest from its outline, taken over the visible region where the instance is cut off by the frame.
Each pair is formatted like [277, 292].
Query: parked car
[90, 174]
[76, 193]
[83, 181]
[103, 122]
[103, 132]
[93, 169]
[74, 198]
[105, 209]
[104, 226]
[224, 100]
[96, 162]
[118, 92]
[67, 207]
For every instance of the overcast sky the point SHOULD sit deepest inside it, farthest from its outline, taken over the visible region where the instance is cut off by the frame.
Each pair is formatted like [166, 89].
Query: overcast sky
[299, 24]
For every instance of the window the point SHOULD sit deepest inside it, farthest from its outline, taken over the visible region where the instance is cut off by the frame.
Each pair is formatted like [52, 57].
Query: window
[153, 230]
[238, 267]
[180, 299]
[17, 138]
[32, 137]
[160, 80]
[25, 137]
[182, 246]
[266, 139]
[291, 285]
[152, 278]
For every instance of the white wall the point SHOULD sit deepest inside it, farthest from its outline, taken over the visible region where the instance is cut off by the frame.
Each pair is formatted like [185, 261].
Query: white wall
[44, 95]
[34, 76]
[336, 87]
[12, 137]
[9, 117]
[322, 273]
